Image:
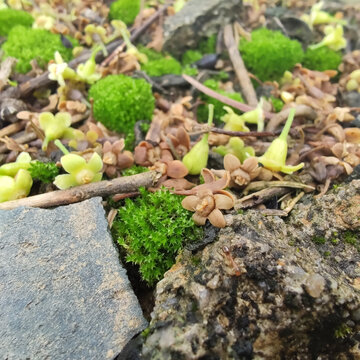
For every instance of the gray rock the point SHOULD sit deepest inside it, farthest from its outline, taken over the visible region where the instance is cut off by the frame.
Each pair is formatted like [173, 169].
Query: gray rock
[278, 295]
[63, 292]
[196, 20]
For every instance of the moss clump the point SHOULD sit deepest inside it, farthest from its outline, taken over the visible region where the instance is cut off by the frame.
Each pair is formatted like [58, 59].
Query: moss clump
[10, 18]
[135, 169]
[202, 111]
[322, 59]
[319, 240]
[190, 57]
[163, 66]
[120, 101]
[208, 46]
[152, 229]
[124, 10]
[276, 103]
[352, 238]
[26, 44]
[159, 64]
[269, 54]
[44, 172]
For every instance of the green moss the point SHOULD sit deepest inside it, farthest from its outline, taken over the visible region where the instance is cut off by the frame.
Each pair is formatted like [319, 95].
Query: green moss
[26, 44]
[269, 53]
[152, 229]
[135, 169]
[342, 331]
[196, 260]
[322, 59]
[124, 10]
[163, 66]
[190, 57]
[208, 46]
[352, 238]
[158, 63]
[44, 172]
[319, 240]
[276, 103]
[202, 111]
[120, 101]
[10, 18]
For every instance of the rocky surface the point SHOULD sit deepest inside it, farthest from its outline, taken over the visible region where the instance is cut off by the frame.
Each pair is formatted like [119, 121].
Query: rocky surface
[196, 20]
[63, 292]
[267, 288]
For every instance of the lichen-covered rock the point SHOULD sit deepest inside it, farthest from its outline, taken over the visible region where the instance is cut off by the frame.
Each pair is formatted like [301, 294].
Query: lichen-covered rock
[266, 289]
[196, 20]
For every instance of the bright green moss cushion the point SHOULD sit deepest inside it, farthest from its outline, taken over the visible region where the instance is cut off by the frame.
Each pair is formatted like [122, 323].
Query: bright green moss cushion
[26, 44]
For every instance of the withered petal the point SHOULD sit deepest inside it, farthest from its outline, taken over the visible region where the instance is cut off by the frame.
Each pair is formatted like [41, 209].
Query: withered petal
[183, 137]
[231, 162]
[190, 202]
[217, 218]
[176, 169]
[198, 219]
[207, 175]
[223, 201]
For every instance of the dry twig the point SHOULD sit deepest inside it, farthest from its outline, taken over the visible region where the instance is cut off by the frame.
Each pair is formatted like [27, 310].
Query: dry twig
[235, 104]
[5, 70]
[79, 193]
[239, 67]
[300, 110]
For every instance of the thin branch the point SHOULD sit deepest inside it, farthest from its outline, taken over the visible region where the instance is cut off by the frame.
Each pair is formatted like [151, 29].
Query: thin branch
[12, 129]
[259, 197]
[258, 185]
[123, 184]
[244, 133]
[22, 139]
[235, 104]
[300, 110]
[239, 67]
[5, 70]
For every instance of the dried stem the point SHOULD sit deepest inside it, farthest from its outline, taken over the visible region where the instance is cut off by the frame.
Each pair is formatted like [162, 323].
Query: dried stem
[5, 70]
[22, 139]
[239, 67]
[235, 104]
[300, 110]
[124, 184]
[12, 129]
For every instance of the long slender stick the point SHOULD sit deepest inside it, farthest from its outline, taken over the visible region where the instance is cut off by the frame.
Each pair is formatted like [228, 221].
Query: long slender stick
[11, 129]
[123, 184]
[239, 67]
[300, 110]
[237, 105]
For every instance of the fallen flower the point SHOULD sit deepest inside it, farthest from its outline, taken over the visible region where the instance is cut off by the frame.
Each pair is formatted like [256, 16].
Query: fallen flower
[207, 205]
[80, 171]
[241, 174]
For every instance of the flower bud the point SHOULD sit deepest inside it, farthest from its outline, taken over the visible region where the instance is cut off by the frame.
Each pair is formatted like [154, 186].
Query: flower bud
[196, 159]
[275, 157]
